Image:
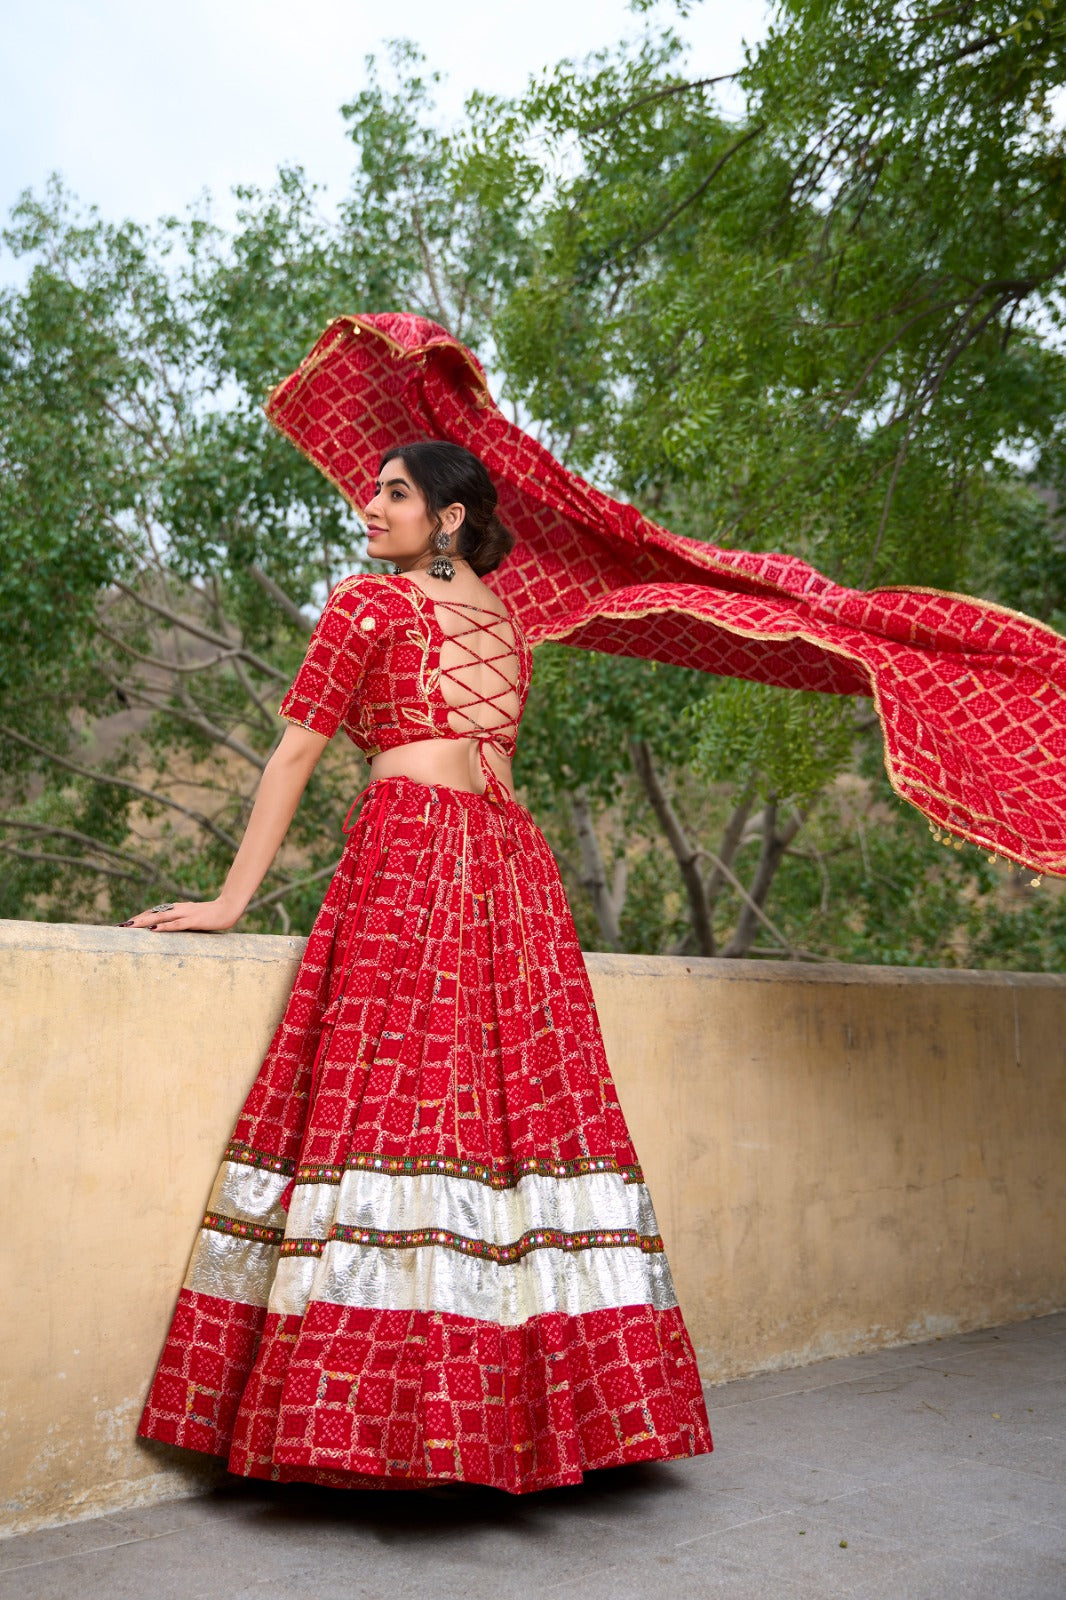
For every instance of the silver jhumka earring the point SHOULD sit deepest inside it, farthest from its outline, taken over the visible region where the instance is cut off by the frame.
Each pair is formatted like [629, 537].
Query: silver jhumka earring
[441, 567]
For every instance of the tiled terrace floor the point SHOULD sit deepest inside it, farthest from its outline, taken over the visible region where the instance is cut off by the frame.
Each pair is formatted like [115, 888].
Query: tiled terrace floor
[925, 1473]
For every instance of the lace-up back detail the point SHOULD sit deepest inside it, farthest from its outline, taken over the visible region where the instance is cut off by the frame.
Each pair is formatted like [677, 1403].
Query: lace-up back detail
[390, 664]
[480, 672]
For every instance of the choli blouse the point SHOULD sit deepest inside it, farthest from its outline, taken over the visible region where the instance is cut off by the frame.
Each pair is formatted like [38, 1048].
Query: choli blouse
[373, 667]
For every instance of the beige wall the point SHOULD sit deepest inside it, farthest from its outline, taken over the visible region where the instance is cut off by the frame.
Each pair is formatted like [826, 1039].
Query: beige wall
[840, 1157]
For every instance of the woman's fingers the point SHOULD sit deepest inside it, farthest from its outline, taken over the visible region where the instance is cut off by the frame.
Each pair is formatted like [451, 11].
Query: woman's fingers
[183, 916]
[196, 920]
[172, 921]
[186, 916]
[147, 919]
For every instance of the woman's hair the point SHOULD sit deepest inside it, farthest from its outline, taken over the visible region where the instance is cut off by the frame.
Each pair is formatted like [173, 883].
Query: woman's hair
[447, 475]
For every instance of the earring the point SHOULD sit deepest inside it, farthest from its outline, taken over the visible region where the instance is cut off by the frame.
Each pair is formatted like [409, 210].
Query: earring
[441, 567]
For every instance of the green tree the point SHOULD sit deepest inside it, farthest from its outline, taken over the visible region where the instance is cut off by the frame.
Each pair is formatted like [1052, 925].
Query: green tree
[163, 549]
[831, 328]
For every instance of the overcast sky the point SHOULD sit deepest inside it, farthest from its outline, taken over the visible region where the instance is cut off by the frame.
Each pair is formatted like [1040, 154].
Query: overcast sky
[142, 106]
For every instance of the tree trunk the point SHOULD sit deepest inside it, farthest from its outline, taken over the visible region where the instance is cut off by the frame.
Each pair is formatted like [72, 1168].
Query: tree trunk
[686, 853]
[774, 845]
[731, 838]
[606, 901]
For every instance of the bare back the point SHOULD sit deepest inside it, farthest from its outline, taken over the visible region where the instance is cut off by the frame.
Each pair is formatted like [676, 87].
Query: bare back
[478, 677]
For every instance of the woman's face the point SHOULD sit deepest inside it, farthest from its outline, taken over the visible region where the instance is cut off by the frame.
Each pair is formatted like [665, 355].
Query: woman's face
[398, 523]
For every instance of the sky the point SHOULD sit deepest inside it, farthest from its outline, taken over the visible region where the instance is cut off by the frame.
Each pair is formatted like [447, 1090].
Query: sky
[141, 107]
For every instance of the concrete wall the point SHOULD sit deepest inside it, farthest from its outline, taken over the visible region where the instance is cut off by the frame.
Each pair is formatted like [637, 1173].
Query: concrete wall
[841, 1158]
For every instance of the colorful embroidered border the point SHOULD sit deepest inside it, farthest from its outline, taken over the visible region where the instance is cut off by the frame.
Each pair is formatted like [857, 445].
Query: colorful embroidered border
[483, 1249]
[243, 1230]
[249, 1156]
[497, 1176]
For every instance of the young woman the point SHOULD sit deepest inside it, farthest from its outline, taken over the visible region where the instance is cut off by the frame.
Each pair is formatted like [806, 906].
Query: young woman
[429, 1254]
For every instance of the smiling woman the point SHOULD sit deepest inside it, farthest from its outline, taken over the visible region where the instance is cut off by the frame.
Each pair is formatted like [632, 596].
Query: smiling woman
[483, 669]
[429, 1254]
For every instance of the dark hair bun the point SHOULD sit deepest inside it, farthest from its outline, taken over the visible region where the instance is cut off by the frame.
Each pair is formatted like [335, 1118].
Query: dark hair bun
[485, 550]
[449, 474]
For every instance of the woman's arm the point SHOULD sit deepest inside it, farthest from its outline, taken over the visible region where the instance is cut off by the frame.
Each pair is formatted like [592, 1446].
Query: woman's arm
[283, 782]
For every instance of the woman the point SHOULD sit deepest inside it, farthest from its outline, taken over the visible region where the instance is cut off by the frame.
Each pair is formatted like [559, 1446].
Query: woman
[429, 1254]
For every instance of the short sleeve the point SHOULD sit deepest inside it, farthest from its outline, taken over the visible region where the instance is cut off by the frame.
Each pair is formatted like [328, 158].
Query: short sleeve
[353, 620]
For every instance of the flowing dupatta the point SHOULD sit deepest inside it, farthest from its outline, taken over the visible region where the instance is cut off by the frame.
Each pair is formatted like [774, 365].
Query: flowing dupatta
[971, 696]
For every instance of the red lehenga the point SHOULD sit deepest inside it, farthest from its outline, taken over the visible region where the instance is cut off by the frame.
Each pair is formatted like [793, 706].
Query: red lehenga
[429, 1254]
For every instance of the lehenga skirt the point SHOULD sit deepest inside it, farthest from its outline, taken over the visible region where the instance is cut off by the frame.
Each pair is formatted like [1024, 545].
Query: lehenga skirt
[429, 1254]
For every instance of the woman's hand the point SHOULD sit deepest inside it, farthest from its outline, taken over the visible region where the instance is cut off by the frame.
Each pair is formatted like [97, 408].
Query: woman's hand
[283, 782]
[185, 916]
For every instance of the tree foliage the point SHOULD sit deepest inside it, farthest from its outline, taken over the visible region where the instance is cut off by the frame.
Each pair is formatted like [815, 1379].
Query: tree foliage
[832, 326]
[164, 551]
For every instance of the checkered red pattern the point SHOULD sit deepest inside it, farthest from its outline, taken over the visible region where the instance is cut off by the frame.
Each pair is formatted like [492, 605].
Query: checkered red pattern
[357, 1398]
[432, 1397]
[971, 696]
[442, 1013]
[210, 1349]
[383, 636]
[532, 1079]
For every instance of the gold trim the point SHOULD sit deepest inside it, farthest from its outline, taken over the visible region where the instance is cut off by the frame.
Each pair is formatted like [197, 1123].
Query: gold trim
[970, 600]
[354, 326]
[1057, 869]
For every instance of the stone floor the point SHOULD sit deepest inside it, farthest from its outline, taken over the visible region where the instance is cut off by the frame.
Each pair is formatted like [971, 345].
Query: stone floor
[925, 1473]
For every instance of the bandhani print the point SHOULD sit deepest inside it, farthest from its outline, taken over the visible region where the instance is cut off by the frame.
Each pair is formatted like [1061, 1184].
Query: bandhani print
[429, 1254]
[971, 696]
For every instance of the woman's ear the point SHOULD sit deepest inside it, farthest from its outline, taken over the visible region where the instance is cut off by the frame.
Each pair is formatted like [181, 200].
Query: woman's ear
[453, 517]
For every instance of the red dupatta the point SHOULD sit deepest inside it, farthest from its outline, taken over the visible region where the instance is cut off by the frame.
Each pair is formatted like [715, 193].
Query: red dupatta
[971, 696]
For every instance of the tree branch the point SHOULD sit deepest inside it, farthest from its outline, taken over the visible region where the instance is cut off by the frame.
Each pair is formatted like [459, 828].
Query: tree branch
[731, 840]
[878, 355]
[146, 869]
[192, 714]
[276, 895]
[267, 713]
[686, 855]
[897, 468]
[158, 662]
[69, 861]
[793, 952]
[661, 94]
[120, 783]
[774, 845]
[201, 633]
[278, 595]
[697, 193]
[427, 259]
[928, 388]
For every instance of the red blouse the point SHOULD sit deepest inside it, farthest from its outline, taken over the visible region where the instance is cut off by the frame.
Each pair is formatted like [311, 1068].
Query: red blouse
[375, 667]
